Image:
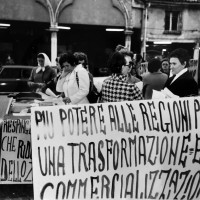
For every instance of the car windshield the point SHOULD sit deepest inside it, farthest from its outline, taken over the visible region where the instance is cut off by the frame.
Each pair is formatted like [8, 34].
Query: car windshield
[15, 73]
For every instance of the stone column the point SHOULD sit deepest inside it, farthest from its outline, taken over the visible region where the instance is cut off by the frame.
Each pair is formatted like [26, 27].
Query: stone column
[54, 8]
[128, 34]
[54, 31]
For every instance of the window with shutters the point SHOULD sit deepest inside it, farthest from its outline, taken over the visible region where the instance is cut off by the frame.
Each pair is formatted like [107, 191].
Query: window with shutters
[172, 22]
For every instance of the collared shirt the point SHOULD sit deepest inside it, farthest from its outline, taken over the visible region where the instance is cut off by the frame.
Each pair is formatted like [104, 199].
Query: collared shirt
[179, 74]
[41, 77]
[116, 89]
[76, 91]
[40, 69]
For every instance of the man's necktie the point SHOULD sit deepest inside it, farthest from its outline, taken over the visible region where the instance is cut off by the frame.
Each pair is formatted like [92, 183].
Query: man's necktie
[172, 78]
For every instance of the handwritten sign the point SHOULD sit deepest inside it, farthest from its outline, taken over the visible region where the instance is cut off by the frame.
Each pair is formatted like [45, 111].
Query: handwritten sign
[142, 68]
[144, 65]
[127, 150]
[16, 152]
[193, 68]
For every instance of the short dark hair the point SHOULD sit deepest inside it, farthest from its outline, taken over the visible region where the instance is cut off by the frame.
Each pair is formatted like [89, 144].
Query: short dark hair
[126, 52]
[82, 56]
[154, 65]
[116, 62]
[164, 60]
[68, 57]
[181, 54]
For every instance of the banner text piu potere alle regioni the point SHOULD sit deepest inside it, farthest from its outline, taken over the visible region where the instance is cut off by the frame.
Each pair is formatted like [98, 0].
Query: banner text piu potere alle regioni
[140, 150]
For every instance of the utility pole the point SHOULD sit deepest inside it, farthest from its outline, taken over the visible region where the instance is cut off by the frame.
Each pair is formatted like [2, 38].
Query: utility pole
[125, 7]
[145, 27]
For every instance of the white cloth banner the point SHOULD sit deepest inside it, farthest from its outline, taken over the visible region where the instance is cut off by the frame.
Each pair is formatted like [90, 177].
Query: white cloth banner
[128, 150]
[16, 152]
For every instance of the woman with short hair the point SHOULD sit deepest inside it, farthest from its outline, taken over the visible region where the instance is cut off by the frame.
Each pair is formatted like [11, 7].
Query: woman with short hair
[165, 66]
[116, 88]
[74, 80]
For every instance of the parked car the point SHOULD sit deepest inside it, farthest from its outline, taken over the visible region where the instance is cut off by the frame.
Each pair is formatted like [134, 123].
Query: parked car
[14, 78]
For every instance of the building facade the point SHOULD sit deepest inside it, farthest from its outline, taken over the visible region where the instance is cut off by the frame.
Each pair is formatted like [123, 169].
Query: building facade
[149, 27]
[170, 24]
[34, 27]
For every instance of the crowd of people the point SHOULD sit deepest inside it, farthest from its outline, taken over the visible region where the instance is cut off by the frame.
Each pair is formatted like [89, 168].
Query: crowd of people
[128, 80]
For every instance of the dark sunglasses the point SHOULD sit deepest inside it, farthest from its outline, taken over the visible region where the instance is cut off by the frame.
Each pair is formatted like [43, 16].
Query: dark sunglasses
[130, 64]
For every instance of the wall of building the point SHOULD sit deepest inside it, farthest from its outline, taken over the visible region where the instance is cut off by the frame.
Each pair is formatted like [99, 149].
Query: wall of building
[26, 10]
[190, 26]
[88, 19]
[137, 14]
[137, 18]
[92, 12]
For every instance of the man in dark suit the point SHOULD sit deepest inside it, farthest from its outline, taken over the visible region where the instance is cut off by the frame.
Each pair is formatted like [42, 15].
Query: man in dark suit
[181, 83]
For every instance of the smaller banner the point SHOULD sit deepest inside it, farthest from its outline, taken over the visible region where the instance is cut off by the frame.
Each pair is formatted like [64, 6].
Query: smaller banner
[16, 153]
[193, 68]
[143, 68]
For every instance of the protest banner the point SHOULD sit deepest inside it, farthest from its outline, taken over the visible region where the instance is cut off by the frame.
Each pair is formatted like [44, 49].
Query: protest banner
[193, 68]
[16, 152]
[126, 150]
[142, 68]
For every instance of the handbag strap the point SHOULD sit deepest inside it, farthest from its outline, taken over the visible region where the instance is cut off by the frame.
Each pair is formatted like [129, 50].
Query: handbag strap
[77, 80]
[91, 84]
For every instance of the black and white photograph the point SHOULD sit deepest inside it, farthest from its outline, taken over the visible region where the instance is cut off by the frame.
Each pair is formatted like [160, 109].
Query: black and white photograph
[99, 99]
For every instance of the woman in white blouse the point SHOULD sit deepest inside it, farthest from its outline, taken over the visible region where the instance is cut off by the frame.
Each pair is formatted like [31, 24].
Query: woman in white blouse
[74, 80]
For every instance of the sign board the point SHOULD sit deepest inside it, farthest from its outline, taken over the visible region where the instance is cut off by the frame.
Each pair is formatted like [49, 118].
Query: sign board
[193, 68]
[142, 68]
[127, 150]
[16, 152]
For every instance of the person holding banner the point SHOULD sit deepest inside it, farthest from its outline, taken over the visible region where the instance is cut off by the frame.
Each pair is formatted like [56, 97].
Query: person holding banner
[181, 83]
[116, 88]
[74, 80]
